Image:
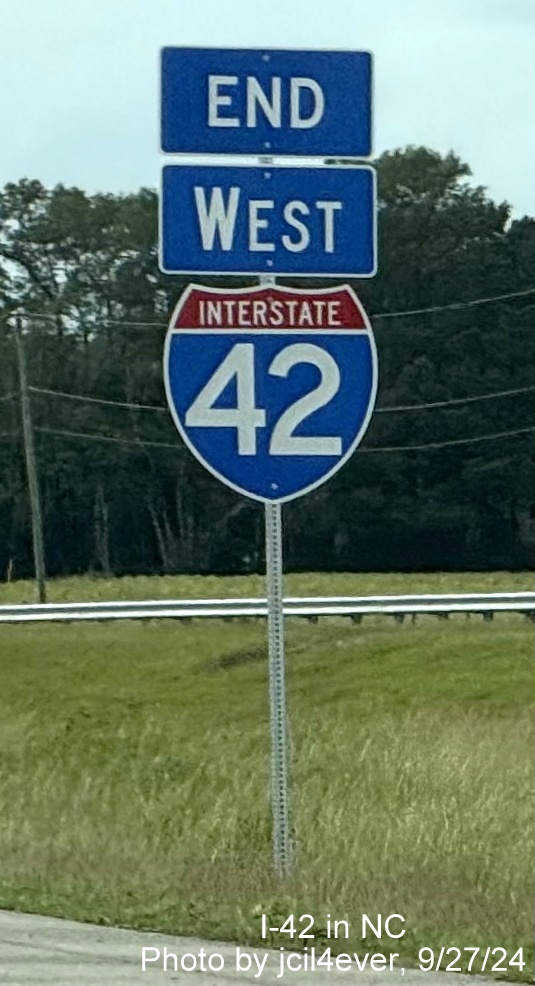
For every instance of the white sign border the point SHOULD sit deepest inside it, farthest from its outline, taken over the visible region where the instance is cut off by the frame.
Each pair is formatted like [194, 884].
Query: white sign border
[271, 270]
[261, 51]
[249, 290]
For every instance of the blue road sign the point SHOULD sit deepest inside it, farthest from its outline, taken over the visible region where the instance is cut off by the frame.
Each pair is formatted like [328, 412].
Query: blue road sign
[262, 101]
[271, 388]
[279, 220]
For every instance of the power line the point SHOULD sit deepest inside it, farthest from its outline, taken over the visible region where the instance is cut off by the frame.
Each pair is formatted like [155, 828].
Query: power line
[106, 438]
[455, 441]
[400, 407]
[43, 316]
[379, 448]
[455, 306]
[98, 400]
[458, 400]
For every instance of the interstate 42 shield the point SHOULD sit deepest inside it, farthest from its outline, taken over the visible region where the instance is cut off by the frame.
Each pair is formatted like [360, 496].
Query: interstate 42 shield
[271, 388]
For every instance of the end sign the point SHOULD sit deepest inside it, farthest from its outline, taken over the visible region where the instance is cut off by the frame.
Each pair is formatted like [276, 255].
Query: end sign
[272, 388]
[266, 102]
[276, 218]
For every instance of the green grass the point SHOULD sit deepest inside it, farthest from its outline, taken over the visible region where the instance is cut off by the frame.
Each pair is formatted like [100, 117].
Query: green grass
[79, 588]
[134, 768]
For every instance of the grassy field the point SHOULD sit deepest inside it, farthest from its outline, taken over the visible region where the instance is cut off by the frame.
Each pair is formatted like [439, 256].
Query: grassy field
[134, 764]
[79, 588]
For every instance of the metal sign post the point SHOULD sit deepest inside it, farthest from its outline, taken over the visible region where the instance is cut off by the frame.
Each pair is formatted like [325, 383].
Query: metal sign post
[279, 791]
[279, 390]
[282, 852]
[280, 382]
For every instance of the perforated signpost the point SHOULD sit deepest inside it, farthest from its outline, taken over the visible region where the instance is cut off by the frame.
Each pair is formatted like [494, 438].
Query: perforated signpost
[270, 387]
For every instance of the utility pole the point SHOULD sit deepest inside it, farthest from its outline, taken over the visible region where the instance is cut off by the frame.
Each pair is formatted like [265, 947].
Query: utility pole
[31, 468]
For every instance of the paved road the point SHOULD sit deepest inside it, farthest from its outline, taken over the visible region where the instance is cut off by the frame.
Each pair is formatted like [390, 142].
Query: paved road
[40, 951]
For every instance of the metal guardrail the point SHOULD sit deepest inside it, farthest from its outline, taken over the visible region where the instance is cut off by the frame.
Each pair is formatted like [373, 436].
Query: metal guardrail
[308, 607]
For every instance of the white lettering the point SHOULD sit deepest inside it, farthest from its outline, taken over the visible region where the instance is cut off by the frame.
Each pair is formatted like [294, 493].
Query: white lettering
[291, 306]
[216, 957]
[296, 120]
[243, 957]
[387, 925]
[229, 306]
[214, 314]
[277, 313]
[319, 306]
[217, 99]
[305, 315]
[243, 311]
[366, 921]
[333, 309]
[170, 956]
[296, 246]
[329, 209]
[259, 313]
[217, 210]
[255, 94]
[145, 957]
[217, 217]
[260, 963]
[378, 962]
[255, 223]
[291, 959]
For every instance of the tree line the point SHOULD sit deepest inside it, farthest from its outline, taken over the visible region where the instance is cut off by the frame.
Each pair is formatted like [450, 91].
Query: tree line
[444, 478]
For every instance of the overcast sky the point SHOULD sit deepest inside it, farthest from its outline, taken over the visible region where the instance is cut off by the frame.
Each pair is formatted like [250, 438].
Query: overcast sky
[79, 79]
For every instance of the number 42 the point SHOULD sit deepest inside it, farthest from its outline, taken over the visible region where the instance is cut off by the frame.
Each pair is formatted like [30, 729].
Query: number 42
[247, 418]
